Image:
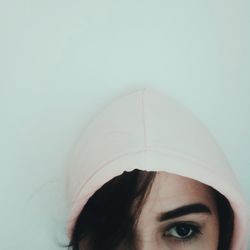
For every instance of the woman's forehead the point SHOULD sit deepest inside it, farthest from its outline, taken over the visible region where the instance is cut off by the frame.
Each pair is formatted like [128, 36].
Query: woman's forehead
[168, 188]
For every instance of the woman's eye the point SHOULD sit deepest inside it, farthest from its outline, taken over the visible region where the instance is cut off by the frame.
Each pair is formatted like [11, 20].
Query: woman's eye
[182, 231]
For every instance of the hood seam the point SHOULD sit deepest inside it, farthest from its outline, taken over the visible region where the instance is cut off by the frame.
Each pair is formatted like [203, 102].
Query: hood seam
[175, 153]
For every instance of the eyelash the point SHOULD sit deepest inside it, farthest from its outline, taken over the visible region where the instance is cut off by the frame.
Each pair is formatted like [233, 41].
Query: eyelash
[196, 231]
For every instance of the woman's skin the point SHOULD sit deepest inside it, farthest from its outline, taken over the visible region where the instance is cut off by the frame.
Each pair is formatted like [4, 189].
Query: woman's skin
[179, 213]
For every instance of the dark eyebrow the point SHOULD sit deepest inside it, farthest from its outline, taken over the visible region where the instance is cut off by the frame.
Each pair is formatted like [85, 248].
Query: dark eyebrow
[184, 210]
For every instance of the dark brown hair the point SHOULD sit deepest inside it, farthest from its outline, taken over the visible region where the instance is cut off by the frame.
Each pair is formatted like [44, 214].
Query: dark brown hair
[107, 221]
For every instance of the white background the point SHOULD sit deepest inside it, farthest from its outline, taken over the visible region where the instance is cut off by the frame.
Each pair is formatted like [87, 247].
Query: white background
[61, 61]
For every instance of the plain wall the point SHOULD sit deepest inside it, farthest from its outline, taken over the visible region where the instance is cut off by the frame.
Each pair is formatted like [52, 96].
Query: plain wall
[61, 61]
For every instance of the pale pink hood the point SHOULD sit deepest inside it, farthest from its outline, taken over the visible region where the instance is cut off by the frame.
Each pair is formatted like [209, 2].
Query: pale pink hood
[147, 130]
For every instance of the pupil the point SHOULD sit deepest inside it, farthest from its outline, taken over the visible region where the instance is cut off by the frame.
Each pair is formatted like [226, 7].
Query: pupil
[183, 230]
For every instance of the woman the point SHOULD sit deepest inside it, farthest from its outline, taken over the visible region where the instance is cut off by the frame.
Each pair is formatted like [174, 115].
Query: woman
[147, 174]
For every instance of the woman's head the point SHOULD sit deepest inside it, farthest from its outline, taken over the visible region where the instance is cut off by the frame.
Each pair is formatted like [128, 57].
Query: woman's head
[148, 130]
[143, 210]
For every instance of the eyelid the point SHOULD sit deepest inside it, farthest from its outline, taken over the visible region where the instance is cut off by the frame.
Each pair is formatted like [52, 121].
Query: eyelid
[194, 219]
[176, 223]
